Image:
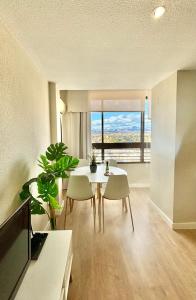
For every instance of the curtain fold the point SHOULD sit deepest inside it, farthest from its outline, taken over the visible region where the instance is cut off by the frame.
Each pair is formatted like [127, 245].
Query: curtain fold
[76, 133]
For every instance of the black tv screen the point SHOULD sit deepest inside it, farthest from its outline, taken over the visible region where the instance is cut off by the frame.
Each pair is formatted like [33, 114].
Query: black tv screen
[14, 251]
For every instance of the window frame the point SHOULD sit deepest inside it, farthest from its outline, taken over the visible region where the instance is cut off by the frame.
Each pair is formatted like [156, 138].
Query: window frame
[138, 145]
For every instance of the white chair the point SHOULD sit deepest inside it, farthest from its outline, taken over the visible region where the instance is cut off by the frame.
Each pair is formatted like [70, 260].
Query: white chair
[117, 188]
[113, 163]
[82, 163]
[79, 189]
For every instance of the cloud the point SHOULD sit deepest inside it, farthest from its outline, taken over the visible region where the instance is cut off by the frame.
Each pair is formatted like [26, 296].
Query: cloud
[120, 122]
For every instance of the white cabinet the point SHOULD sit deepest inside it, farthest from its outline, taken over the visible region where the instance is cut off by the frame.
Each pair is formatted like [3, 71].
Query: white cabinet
[48, 277]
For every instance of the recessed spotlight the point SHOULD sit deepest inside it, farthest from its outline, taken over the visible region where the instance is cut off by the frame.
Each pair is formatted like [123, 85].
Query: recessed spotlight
[159, 11]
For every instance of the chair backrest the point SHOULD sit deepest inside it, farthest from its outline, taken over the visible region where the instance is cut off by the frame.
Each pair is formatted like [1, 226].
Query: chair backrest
[112, 163]
[117, 187]
[79, 188]
[83, 162]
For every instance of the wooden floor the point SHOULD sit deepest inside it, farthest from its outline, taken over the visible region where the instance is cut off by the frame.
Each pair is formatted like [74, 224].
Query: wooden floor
[153, 263]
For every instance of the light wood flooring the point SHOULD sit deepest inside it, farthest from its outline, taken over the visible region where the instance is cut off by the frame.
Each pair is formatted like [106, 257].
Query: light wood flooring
[153, 263]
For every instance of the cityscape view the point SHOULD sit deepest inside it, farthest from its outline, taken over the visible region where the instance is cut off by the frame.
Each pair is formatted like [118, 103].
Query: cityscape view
[119, 127]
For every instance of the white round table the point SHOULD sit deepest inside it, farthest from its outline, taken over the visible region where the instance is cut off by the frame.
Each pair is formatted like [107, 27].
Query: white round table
[98, 178]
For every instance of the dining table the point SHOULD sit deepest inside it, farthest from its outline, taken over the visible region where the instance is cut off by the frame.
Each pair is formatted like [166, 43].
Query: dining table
[98, 178]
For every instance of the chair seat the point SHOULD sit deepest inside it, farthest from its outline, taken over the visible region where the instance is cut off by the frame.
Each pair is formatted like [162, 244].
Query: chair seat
[79, 188]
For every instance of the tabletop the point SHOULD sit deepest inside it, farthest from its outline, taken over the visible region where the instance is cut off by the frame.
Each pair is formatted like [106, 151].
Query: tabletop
[98, 177]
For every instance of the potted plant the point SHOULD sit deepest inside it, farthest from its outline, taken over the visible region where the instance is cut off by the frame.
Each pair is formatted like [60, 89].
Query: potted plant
[93, 164]
[55, 164]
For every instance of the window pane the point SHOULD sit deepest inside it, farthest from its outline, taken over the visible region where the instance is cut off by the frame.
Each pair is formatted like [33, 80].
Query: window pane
[98, 156]
[147, 155]
[122, 127]
[96, 127]
[123, 155]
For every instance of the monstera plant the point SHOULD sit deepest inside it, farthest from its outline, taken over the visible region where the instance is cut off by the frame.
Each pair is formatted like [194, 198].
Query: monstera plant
[55, 164]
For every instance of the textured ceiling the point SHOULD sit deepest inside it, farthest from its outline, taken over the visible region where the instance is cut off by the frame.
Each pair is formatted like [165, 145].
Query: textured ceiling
[104, 44]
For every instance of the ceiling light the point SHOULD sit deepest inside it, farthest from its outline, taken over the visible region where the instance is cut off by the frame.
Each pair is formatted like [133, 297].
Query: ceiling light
[159, 11]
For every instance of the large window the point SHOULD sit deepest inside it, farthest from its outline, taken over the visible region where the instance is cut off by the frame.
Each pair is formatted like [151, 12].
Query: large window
[123, 136]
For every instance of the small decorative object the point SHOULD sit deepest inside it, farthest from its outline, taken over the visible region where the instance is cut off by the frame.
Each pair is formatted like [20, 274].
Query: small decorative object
[107, 170]
[93, 165]
[108, 174]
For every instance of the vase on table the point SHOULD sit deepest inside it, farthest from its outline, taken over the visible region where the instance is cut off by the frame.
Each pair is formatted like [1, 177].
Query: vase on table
[93, 164]
[93, 168]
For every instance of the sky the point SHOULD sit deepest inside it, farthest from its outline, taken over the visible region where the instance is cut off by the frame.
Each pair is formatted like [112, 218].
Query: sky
[118, 122]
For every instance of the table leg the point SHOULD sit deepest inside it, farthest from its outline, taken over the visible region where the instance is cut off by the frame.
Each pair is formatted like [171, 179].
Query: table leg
[124, 204]
[99, 203]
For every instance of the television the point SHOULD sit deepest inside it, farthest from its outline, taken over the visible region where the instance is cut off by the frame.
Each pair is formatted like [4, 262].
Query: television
[15, 250]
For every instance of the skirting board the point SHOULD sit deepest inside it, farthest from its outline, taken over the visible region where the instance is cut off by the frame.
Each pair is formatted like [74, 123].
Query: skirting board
[188, 225]
[163, 215]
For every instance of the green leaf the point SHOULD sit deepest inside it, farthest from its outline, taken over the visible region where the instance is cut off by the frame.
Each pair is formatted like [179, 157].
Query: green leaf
[44, 163]
[54, 203]
[73, 162]
[24, 194]
[64, 164]
[56, 151]
[47, 186]
[36, 207]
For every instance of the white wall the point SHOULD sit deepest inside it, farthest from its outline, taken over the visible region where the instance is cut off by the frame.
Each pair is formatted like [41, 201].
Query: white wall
[173, 180]
[54, 125]
[185, 164]
[163, 144]
[138, 174]
[24, 122]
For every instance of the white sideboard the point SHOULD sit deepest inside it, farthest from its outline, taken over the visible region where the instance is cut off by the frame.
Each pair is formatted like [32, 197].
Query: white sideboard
[48, 277]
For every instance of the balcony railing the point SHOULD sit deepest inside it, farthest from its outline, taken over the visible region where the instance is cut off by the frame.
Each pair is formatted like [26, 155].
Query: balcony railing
[122, 152]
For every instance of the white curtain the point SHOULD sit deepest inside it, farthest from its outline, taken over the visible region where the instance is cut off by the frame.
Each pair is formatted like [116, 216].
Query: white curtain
[76, 133]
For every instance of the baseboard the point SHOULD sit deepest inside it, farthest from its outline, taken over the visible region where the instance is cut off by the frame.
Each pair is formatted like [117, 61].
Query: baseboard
[188, 225]
[139, 185]
[163, 215]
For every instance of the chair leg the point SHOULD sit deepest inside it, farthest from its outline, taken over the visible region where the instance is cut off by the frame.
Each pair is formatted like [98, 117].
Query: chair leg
[103, 213]
[72, 204]
[124, 204]
[94, 212]
[65, 213]
[91, 202]
[69, 199]
[131, 212]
